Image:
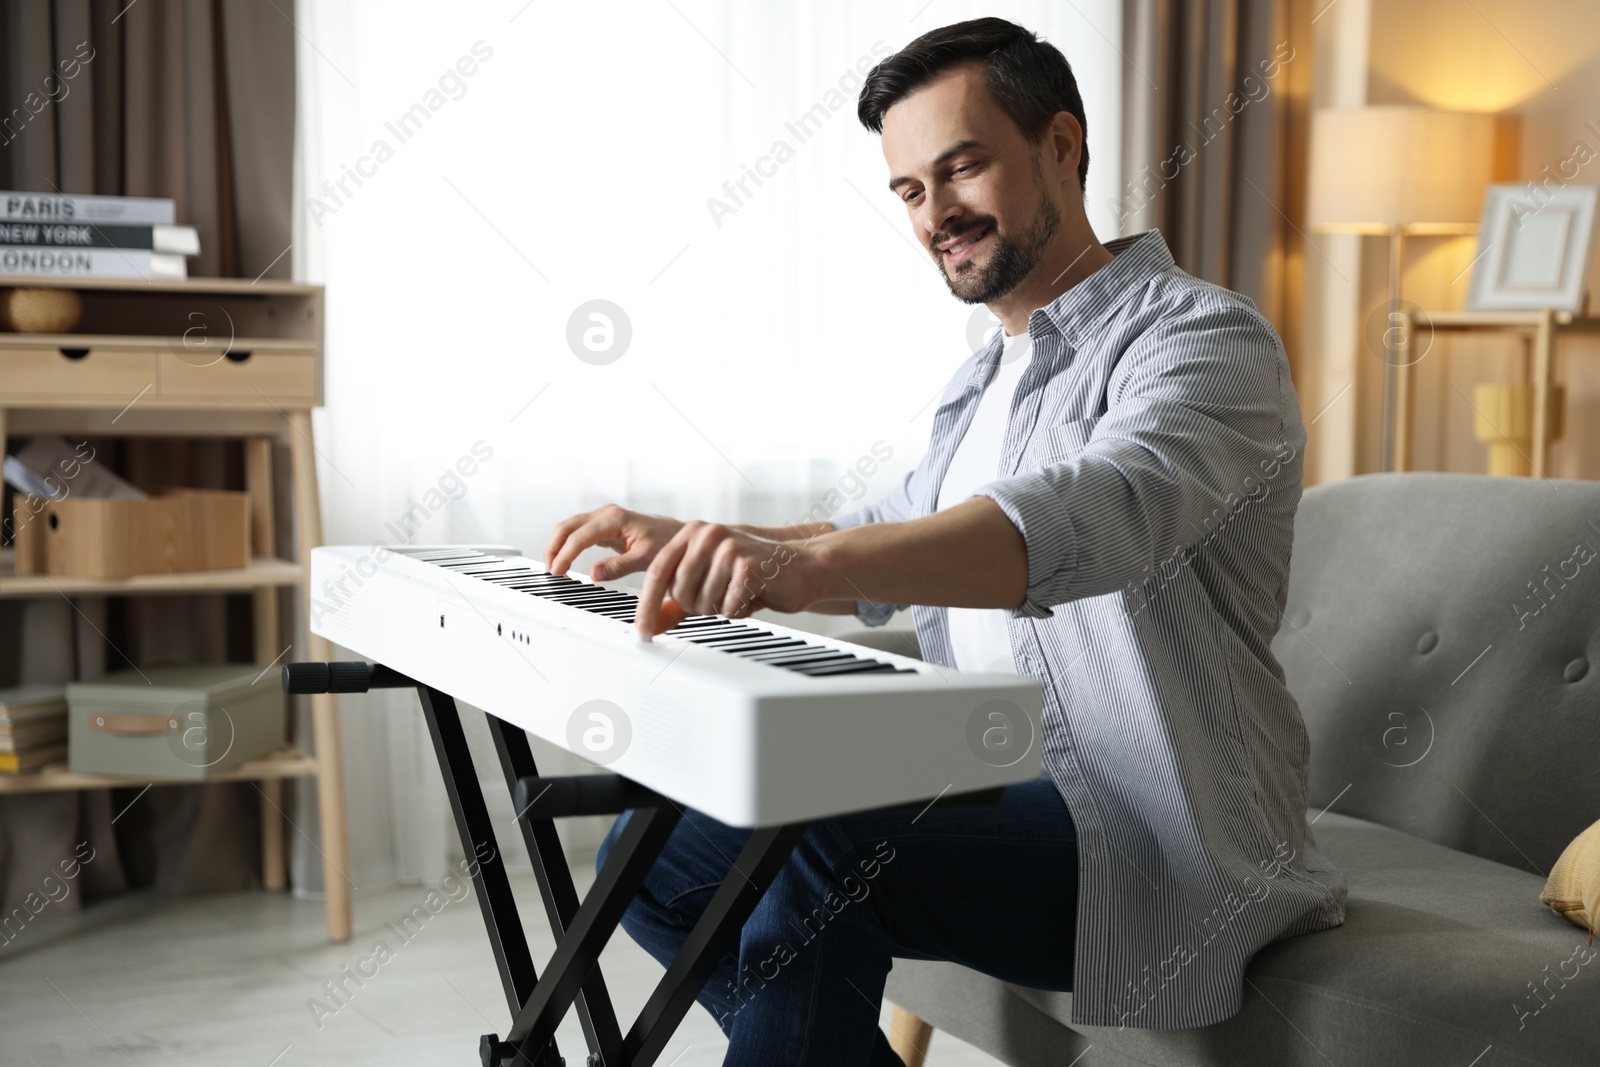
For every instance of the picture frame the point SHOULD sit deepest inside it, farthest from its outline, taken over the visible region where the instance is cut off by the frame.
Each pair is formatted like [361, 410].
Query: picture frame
[1533, 248]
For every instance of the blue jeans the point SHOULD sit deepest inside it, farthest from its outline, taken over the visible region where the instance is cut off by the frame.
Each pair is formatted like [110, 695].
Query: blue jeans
[992, 888]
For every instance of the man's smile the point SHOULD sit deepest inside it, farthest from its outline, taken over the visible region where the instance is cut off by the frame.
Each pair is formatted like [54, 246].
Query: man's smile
[960, 247]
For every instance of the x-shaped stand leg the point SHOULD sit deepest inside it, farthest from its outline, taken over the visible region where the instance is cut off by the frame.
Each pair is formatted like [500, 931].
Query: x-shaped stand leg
[582, 929]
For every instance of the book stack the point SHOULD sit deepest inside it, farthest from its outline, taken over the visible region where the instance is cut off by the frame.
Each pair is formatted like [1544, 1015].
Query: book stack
[33, 727]
[55, 235]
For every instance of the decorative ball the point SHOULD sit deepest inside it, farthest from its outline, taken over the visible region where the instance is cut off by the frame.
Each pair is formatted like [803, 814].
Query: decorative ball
[40, 310]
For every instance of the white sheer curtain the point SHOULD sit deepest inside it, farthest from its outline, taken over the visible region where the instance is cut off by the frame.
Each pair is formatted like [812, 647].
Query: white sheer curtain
[471, 174]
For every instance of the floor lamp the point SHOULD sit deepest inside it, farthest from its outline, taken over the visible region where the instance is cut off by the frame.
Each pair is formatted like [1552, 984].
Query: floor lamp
[1397, 170]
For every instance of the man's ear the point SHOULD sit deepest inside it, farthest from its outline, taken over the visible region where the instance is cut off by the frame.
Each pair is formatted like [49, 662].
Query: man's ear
[1066, 146]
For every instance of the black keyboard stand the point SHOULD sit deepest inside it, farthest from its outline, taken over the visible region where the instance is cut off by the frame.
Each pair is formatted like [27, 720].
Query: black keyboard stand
[581, 929]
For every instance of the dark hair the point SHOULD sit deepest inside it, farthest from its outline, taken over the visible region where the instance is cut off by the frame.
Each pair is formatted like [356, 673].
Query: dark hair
[1030, 79]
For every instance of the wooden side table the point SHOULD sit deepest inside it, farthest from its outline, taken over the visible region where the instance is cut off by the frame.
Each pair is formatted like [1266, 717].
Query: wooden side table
[1543, 327]
[204, 357]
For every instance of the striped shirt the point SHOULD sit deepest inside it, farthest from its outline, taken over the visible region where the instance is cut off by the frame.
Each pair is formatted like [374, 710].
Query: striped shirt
[1152, 462]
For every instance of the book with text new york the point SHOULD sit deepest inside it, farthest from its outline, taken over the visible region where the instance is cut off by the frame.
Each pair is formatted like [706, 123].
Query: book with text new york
[178, 240]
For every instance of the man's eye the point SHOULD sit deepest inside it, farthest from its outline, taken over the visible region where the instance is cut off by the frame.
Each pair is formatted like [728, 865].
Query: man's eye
[964, 167]
[911, 197]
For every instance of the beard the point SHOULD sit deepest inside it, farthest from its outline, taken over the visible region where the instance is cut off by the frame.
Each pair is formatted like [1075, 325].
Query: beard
[1009, 261]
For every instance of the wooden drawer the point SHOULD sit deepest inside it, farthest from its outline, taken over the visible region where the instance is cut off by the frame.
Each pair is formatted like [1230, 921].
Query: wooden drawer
[98, 371]
[276, 375]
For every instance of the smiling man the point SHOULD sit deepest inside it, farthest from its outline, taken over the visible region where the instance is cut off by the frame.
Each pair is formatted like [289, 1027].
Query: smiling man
[1106, 504]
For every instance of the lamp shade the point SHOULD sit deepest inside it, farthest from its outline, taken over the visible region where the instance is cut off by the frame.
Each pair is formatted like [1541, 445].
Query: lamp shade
[1398, 167]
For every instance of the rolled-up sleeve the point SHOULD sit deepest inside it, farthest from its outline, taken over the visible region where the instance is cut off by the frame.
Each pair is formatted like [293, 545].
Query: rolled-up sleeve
[1200, 415]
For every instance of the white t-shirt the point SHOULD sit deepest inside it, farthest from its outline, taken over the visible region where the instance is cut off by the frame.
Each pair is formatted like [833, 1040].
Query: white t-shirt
[978, 635]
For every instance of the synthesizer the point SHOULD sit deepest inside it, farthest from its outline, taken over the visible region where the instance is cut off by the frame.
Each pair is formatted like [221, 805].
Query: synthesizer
[752, 722]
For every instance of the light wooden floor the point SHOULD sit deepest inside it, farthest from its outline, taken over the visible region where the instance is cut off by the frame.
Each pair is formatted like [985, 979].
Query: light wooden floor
[225, 980]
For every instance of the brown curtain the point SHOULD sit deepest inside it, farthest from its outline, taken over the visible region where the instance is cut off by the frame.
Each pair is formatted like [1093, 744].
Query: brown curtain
[193, 100]
[1215, 113]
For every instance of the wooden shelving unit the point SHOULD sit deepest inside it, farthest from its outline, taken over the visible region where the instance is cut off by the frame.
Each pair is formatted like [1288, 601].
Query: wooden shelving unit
[1542, 329]
[203, 357]
[261, 573]
[276, 766]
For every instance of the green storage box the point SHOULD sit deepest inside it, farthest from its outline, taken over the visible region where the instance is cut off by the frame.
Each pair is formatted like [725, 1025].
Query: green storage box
[188, 722]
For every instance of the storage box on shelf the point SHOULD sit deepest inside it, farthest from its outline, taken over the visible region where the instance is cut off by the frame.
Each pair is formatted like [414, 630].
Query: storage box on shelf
[176, 531]
[205, 357]
[191, 720]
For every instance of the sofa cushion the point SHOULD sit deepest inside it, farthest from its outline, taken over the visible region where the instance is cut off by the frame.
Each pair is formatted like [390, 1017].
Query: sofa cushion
[1442, 955]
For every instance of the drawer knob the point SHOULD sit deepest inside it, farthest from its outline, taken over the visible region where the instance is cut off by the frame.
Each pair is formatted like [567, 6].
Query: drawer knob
[75, 353]
[237, 357]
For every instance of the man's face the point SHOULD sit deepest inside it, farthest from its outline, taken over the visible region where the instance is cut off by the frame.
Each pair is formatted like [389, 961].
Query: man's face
[975, 189]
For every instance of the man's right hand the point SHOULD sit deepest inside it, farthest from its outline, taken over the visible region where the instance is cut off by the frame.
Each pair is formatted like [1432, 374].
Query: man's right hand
[635, 536]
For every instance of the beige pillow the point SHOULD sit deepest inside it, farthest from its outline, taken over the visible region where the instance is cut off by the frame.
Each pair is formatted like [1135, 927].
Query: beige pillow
[1573, 890]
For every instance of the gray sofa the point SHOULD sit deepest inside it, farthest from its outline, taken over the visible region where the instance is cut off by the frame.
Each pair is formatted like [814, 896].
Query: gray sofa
[1454, 717]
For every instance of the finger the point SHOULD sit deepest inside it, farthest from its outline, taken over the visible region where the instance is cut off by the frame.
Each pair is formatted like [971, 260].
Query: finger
[602, 526]
[558, 537]
[617, 566]
[717, 584]
[592, 532]
[657, 579]
[701, 539]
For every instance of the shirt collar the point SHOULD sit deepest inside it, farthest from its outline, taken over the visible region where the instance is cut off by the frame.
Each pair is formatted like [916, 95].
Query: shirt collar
[1139, 258]
[1076, 312]
[1080, 309]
